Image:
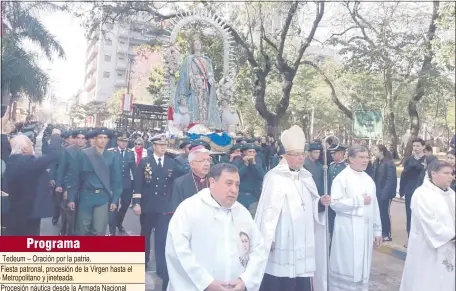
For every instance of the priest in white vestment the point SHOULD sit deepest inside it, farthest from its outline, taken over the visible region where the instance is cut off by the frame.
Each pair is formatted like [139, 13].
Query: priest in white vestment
[430, 262]
[291, 218]
[357, 226]
[213, 244]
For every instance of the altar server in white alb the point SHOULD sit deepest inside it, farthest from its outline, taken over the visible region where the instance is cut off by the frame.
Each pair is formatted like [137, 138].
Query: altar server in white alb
[357, 226]
[291, 218]
[213, 244]
[430, 263]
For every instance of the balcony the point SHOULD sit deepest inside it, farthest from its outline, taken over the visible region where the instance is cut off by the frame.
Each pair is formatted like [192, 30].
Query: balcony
[90, 83]
[91, 68]
[121, 83]
[121, 65]
[92, 53]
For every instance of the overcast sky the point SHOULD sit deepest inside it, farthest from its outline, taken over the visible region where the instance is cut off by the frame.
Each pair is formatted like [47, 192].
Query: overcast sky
[67, 74]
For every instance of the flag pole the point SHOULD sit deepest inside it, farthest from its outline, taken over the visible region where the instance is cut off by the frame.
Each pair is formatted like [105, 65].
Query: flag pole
[325, 176]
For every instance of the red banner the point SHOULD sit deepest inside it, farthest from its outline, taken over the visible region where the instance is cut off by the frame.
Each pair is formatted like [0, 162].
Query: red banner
[103, 244]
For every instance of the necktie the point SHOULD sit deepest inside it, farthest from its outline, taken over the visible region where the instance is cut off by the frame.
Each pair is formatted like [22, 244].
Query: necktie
[122, 153]
[160, 163]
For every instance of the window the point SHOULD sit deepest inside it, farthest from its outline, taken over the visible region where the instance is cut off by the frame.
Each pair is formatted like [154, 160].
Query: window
[106, 74]
[107, 58]
[108, 41]
[121, 42]
[120, 74]
[121, 58]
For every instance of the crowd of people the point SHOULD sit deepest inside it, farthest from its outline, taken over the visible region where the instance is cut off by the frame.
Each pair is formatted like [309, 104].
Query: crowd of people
[252, 218]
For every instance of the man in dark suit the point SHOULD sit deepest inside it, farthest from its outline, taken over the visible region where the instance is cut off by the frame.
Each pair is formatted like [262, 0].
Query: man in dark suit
[152, 191]
[195, 181]
[23, 176]
[127, 164]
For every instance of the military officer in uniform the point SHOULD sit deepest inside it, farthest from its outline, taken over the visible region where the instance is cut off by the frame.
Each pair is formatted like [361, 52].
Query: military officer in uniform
[338, 164]
[67, 137]
[182, 165]
[67, 158]
[96, 176]
[153, 182]
[127, 165]
[313, 165]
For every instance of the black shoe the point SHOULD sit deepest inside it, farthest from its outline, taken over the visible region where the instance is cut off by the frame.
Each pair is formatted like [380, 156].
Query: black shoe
[55, 221]
[387, 238]
[121, 228]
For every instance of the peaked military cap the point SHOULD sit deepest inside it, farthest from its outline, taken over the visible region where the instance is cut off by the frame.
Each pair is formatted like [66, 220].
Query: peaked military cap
[66, 134]
[241, 140]
[251, 140]
[122, 138]
[198, 142]
[102, 130]
[249, 146]
[77, 132]
[335, 148]
[237, 146]
[162, 139]
[314, 146]
[185, 142]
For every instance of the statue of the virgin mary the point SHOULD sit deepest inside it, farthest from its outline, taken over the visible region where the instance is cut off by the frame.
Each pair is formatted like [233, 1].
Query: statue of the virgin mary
[196, 89]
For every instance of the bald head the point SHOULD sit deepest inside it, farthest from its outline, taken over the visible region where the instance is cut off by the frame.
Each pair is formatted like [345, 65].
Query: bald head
[21, 144]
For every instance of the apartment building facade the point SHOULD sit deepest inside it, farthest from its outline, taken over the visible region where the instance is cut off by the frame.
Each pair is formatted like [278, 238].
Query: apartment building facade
[109, 54]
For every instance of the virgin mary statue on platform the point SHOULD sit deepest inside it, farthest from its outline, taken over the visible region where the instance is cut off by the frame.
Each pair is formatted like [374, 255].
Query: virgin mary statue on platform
[196, 89]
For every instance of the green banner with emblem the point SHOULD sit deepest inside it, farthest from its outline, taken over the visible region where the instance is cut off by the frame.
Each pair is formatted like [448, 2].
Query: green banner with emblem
[368, 124]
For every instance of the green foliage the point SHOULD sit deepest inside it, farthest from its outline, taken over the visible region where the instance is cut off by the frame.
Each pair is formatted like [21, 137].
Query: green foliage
[22, 74]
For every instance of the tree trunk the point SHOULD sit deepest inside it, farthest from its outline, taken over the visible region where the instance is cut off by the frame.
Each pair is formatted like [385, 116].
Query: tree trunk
[390, 120]
[272, 126]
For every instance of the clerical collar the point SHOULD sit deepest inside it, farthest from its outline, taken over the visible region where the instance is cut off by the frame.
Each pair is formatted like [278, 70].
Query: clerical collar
[294, 170]
[444, 190]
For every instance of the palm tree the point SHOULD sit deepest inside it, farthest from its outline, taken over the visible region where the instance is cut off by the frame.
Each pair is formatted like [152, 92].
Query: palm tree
[20, 73]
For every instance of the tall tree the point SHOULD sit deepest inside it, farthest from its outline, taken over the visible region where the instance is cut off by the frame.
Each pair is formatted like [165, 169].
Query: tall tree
[20, 72]
[379, 38]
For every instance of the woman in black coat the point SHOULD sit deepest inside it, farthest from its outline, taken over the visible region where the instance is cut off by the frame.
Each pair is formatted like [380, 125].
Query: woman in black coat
[385, 179]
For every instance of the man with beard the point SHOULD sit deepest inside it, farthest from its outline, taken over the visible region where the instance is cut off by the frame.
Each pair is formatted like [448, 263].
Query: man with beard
[67, 158]
[193, 182]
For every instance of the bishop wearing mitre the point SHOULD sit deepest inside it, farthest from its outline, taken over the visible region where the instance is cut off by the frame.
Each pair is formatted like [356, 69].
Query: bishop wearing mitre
[291, 217]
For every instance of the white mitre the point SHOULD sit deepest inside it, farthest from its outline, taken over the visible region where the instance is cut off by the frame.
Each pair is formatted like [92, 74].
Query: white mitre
[293, 139]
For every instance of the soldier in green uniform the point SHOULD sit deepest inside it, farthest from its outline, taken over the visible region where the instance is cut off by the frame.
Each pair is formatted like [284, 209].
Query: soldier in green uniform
[67, 158]
[235, 151]
[313, 165]
[251, 172]
[53, 171]
[277, 157]
[337, 166]
[96, 176]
